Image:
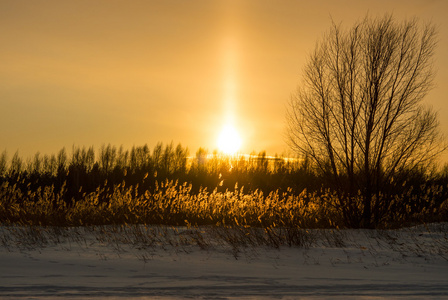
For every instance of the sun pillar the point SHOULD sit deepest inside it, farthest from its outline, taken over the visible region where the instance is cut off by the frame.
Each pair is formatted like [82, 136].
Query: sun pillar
[229, 140]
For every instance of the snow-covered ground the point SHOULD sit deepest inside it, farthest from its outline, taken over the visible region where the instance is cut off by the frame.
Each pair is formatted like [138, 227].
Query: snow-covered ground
[203, 263]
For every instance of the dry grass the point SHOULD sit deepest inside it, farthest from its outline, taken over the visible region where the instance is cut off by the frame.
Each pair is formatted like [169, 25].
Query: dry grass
[173, 204]
[170, 204]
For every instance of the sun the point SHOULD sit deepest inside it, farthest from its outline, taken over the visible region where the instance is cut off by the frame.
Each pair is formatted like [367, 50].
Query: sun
[229, 140]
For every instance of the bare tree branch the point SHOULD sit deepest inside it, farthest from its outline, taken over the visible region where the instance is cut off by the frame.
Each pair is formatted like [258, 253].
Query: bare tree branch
[358, 113]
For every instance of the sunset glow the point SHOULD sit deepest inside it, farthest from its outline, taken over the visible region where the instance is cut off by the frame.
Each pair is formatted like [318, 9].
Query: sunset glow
[229, 141]
[144, 72]
[191, 149]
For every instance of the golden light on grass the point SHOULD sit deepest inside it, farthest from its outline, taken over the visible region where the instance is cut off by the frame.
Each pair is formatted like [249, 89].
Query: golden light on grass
[229, 140]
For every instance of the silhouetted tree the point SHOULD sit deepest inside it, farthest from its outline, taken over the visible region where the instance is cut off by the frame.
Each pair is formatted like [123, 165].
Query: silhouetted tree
[358, 114]
[3, 163]
[16, 166]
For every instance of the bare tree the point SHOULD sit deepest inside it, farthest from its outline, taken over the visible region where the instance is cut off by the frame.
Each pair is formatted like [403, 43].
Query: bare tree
[358, 113]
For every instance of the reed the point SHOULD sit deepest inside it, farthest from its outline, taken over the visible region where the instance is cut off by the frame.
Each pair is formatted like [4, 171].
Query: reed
[174, 204]
[166, 187]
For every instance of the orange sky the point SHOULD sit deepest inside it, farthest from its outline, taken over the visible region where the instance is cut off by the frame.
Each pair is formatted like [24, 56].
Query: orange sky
[94, 72]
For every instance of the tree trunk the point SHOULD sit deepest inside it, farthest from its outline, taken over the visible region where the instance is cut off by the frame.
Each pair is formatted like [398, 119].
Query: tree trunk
[367, 210]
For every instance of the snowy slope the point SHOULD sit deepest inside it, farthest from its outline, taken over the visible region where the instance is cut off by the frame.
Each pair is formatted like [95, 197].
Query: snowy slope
[106, 262]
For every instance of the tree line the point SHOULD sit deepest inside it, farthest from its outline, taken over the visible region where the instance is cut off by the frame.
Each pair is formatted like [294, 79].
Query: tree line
[142, 171]
[84, 170]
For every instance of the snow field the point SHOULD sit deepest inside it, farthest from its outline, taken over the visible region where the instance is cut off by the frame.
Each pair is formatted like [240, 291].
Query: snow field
[140, 262]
